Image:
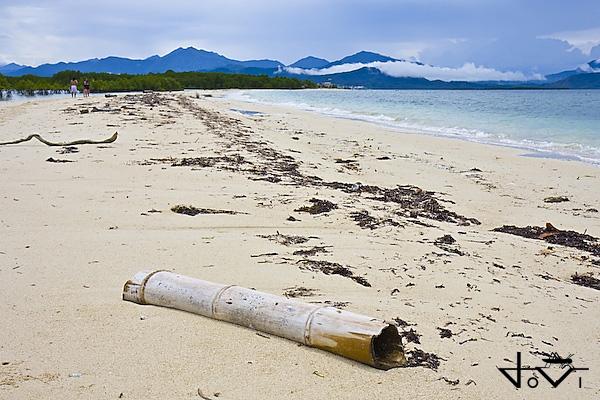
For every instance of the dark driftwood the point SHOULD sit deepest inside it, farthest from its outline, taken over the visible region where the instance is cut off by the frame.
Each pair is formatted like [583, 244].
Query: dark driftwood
[74, 143]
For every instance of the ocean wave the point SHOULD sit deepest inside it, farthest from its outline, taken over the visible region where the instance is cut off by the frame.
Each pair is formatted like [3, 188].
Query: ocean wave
[541, 148]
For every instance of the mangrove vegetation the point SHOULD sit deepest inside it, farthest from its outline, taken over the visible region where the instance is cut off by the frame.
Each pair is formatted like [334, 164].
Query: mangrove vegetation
[168, 81]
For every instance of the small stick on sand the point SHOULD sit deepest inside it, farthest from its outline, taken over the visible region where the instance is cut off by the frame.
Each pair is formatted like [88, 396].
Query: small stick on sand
[62, 144]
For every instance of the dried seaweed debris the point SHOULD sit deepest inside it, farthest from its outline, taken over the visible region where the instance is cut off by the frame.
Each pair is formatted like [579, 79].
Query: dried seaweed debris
[318, 206]
[550, 234]
[332, 268]
[285, 239]
[193, 211]
[367, 221]
[586, 280]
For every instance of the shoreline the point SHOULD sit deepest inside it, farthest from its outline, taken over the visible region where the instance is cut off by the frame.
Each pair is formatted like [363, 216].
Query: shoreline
[414, 217]
[529, 151]
[385, 121]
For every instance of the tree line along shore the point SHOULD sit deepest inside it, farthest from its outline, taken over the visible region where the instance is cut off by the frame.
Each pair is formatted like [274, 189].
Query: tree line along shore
[167, 81]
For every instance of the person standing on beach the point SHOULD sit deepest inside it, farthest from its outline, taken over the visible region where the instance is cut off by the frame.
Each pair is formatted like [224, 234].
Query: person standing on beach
[86, 88]
[74, 87]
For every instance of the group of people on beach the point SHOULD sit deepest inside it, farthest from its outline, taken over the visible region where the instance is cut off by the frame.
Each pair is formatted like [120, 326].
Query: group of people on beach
[86, 87]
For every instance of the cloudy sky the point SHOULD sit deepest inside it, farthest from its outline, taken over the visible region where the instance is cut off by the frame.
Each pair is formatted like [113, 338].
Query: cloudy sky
[513, 36]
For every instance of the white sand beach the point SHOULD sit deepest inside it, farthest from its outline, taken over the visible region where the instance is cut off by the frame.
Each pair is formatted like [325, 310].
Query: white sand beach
[72, 233]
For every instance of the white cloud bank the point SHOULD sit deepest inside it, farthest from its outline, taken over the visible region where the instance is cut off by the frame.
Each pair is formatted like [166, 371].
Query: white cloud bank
[584, 40]
[468, 72]
[588, 68]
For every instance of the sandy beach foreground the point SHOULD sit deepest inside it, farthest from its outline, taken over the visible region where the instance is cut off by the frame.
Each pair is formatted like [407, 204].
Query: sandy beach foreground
[425, 256]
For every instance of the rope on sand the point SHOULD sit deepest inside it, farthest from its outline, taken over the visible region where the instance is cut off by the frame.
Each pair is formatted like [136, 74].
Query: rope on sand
[62, 144]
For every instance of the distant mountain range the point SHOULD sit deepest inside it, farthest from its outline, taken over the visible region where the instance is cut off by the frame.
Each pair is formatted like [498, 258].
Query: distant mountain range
[310, 62]
[180, 60]
[191, 59]
[8, 69]
[591, 67]
[362, 57]
[578, 81]
[373, 78]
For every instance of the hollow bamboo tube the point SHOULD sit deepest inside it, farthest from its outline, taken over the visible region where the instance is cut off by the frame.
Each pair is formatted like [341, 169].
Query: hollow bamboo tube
[368, 340]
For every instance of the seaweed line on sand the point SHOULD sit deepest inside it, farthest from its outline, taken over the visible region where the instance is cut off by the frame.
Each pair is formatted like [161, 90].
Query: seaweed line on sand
[193, 211]
[274, 166]
[550, 234]
[332, 268]
[285, 240]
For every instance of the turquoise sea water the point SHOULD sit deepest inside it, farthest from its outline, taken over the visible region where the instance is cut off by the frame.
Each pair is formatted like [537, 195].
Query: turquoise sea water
[557, 123]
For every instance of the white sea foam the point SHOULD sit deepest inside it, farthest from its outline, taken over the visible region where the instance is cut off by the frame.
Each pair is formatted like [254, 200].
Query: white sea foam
[388, 117]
